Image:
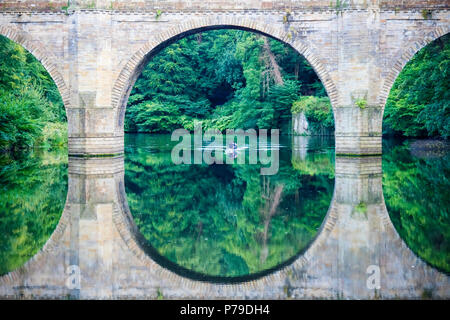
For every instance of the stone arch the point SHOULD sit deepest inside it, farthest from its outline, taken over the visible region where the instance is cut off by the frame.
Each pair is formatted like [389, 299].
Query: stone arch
[133, 67]
[46, 59]
[38, 50]
[404, 56]
[133, 240]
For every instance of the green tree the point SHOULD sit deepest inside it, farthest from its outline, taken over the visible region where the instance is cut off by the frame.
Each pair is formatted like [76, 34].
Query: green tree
[226, 78]
[29, 101]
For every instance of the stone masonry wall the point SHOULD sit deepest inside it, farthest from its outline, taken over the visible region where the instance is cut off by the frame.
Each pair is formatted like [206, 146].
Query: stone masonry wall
[171, 5]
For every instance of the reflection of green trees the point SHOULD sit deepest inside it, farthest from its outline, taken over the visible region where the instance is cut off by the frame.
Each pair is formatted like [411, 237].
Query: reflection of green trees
[33, 186]
[32, 195]
[417, 195]
[316, 163]
[224, 220]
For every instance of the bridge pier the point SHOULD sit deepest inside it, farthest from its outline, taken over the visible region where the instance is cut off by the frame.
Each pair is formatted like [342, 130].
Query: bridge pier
[108, 145]
[90, 113]
[92, 201]
[358, 130]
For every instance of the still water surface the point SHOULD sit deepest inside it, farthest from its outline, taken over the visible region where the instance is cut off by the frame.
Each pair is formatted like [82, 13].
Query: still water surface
[33, 190]
[228, 221]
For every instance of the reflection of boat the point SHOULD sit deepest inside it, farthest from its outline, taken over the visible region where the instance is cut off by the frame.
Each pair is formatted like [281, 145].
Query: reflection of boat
[230, 151]
[233, 151]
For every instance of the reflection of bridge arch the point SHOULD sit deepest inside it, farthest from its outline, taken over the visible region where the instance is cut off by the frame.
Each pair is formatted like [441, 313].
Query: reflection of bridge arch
[403, 56]
[346, 244]
[138, 245]
[133, 68]
[38, 50]
[412, 261]
[98, 231]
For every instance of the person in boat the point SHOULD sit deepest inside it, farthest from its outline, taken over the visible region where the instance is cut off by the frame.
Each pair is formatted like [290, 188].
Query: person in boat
[232, 150]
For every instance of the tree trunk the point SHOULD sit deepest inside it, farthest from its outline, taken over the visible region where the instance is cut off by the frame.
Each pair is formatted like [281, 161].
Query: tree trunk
[273, 65]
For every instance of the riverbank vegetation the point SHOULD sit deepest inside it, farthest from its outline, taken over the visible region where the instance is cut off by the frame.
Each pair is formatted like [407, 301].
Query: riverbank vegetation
[31, 109]
[33, 167]
[318, 112]
[225, 78]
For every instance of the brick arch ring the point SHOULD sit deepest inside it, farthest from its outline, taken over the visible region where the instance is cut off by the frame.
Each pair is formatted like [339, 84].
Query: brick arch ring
[38, 50]
[404, 56]
[132, 69]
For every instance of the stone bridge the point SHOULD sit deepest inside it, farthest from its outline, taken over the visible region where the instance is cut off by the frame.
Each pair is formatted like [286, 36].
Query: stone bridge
[97, 234]
[95, 50]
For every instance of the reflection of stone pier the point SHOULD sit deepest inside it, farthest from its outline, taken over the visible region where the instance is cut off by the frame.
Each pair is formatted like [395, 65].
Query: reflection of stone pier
[82, 243]
[97, 235]
[299, 147]
[92, 235]
[358, 181]
[359, 238]
[356, 239]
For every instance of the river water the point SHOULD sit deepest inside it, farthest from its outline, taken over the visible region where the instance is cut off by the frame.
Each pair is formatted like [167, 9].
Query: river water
[227, 222]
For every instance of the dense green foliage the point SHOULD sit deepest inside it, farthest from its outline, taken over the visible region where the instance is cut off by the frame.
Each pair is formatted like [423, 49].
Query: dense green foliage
[224, 220]
[317, 110]
[226, 78]
[33, 190]
[31, 109]
[419, 102]
[417, 195]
